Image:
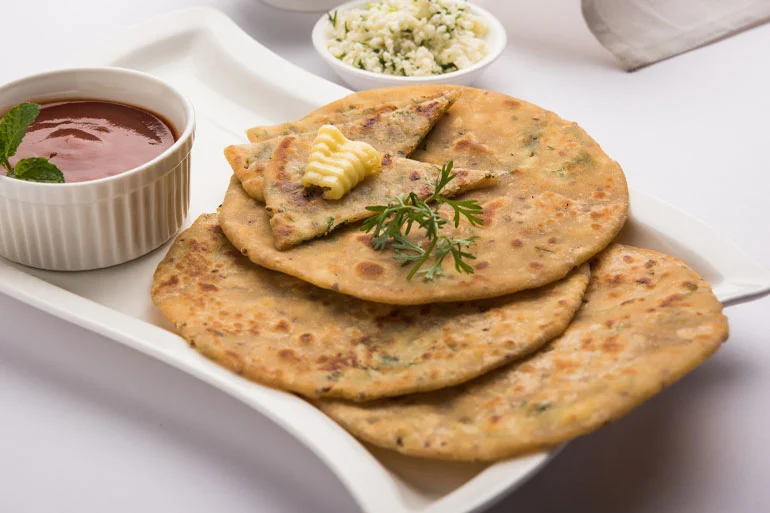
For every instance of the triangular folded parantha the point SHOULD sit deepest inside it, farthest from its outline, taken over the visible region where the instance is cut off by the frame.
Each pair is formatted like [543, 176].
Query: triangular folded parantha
[351, 108]
[397, 132]
[299, 214]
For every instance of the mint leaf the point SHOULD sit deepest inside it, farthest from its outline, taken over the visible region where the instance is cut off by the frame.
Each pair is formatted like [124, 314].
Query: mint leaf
[37, 169]
[13, 126]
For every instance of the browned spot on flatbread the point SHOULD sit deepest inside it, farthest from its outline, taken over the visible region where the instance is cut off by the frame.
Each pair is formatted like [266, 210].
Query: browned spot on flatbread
[491, 208]
[174, 280]
[429, 109]
[281, 159]
[365, 239]
[370, 122]
[369, 269]
[283, 146]
[611, 345]
[288, 354]
[669, 300]
[564, 364]
[340, 362]
[207, 287]
[469, 145]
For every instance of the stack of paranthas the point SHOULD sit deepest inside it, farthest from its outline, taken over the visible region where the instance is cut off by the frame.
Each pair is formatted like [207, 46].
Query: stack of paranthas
[483, 311]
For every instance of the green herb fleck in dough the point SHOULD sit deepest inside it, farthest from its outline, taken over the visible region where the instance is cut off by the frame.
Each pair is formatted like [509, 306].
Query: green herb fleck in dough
[387, 358]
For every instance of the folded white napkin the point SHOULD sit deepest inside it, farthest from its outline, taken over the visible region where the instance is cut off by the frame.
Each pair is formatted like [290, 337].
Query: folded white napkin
[641, 32]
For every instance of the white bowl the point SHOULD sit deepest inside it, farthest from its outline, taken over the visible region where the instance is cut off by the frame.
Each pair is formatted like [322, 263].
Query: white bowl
[88, 225]
[360, 79]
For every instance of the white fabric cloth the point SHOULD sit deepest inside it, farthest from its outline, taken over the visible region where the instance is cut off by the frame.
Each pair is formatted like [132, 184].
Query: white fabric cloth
[642, 32]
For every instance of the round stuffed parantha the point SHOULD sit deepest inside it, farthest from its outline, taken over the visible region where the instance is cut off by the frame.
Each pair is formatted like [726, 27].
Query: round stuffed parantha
[559, 201]
[646, 321]
[284, 332]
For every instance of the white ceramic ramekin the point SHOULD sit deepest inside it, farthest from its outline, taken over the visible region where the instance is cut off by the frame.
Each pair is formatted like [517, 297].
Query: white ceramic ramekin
[360, 79]
[100, 223]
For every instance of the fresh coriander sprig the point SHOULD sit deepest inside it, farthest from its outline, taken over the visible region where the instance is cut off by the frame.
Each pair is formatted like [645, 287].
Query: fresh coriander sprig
[13, 126]
[393, 223]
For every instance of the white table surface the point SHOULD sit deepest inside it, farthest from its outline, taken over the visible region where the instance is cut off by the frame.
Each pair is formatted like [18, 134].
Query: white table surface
[87, 425]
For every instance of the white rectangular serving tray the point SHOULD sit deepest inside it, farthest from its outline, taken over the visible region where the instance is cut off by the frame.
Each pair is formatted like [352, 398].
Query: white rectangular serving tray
[234, 83]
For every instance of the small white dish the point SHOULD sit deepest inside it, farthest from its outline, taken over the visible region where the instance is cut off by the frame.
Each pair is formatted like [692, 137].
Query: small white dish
[99, 223]
[360, 79]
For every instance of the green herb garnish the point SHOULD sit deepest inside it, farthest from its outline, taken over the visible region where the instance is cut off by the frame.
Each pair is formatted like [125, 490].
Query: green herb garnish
[36, 169]
[393, 223]
[12, 129]
[333, 18]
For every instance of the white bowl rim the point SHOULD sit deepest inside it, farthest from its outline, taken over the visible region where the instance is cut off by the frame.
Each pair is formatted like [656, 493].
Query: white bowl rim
[493, 25]
[183, 137]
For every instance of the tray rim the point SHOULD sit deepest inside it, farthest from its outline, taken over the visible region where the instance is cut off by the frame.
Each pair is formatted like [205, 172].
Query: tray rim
[110, 323]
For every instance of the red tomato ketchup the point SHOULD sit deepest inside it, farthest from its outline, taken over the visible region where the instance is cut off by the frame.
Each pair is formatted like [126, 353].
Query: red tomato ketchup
[89, 139]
